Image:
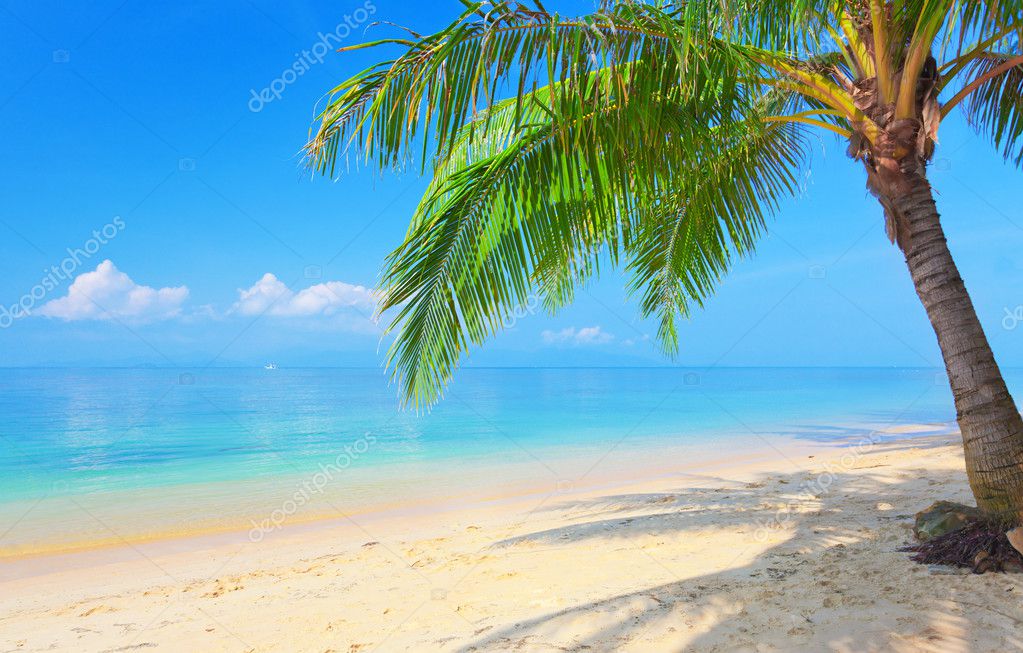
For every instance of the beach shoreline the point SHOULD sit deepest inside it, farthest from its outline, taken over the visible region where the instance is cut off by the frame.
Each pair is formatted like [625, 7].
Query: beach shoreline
[506, 484]
[737, 556]
[260, 508]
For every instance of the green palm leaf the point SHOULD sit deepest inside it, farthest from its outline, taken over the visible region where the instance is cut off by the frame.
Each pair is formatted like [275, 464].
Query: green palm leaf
[717, 210]
[530, 206]
[659, 136]
[443, 81]
[997, 104]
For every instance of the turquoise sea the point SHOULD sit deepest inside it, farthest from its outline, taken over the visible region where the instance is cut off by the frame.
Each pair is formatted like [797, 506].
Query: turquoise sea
[192, 436]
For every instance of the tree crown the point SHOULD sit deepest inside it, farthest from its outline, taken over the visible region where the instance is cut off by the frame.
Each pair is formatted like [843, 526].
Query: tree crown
[656, 137]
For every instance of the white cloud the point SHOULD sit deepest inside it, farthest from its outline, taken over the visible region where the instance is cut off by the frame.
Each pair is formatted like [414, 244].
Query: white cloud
[593, 335]
[108, 294]
[271, 296]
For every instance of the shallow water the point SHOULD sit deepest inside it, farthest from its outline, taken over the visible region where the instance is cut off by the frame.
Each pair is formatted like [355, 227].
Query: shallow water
[198, 446]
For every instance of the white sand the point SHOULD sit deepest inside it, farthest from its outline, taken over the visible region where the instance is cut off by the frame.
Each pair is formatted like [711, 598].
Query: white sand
[699, 560]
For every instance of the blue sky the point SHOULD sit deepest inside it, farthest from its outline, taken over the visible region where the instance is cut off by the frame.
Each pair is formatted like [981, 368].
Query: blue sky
[139, 119]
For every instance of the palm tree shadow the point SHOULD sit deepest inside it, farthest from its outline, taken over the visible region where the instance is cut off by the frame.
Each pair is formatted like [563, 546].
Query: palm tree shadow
[826, 581]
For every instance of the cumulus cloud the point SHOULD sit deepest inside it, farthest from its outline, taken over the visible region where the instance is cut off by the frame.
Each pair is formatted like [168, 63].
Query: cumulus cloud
[271, 296]
[593, 335]
[109, 294]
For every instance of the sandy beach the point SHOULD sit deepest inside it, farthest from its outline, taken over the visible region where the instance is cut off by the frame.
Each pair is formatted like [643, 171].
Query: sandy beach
[797, 552]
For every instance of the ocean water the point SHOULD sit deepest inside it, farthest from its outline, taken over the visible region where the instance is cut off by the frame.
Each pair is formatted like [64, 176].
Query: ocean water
[207, 439]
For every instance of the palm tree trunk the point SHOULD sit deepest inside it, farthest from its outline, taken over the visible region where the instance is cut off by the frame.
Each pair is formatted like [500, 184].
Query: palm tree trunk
[991, 426]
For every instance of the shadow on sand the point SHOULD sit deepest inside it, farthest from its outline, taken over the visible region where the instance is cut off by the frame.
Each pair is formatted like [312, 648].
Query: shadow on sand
[829, 579]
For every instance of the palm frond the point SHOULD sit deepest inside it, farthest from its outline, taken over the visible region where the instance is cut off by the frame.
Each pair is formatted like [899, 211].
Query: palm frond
[526, 206]
[716, 213]
[974, 17]
[996, 105]
[421, 99]
[782, 25]
[658, 136]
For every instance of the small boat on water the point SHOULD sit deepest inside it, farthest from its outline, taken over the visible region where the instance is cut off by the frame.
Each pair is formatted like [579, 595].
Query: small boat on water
[270, 366]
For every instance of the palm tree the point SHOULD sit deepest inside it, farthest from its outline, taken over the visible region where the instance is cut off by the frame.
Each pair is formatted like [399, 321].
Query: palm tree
[659, 138]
